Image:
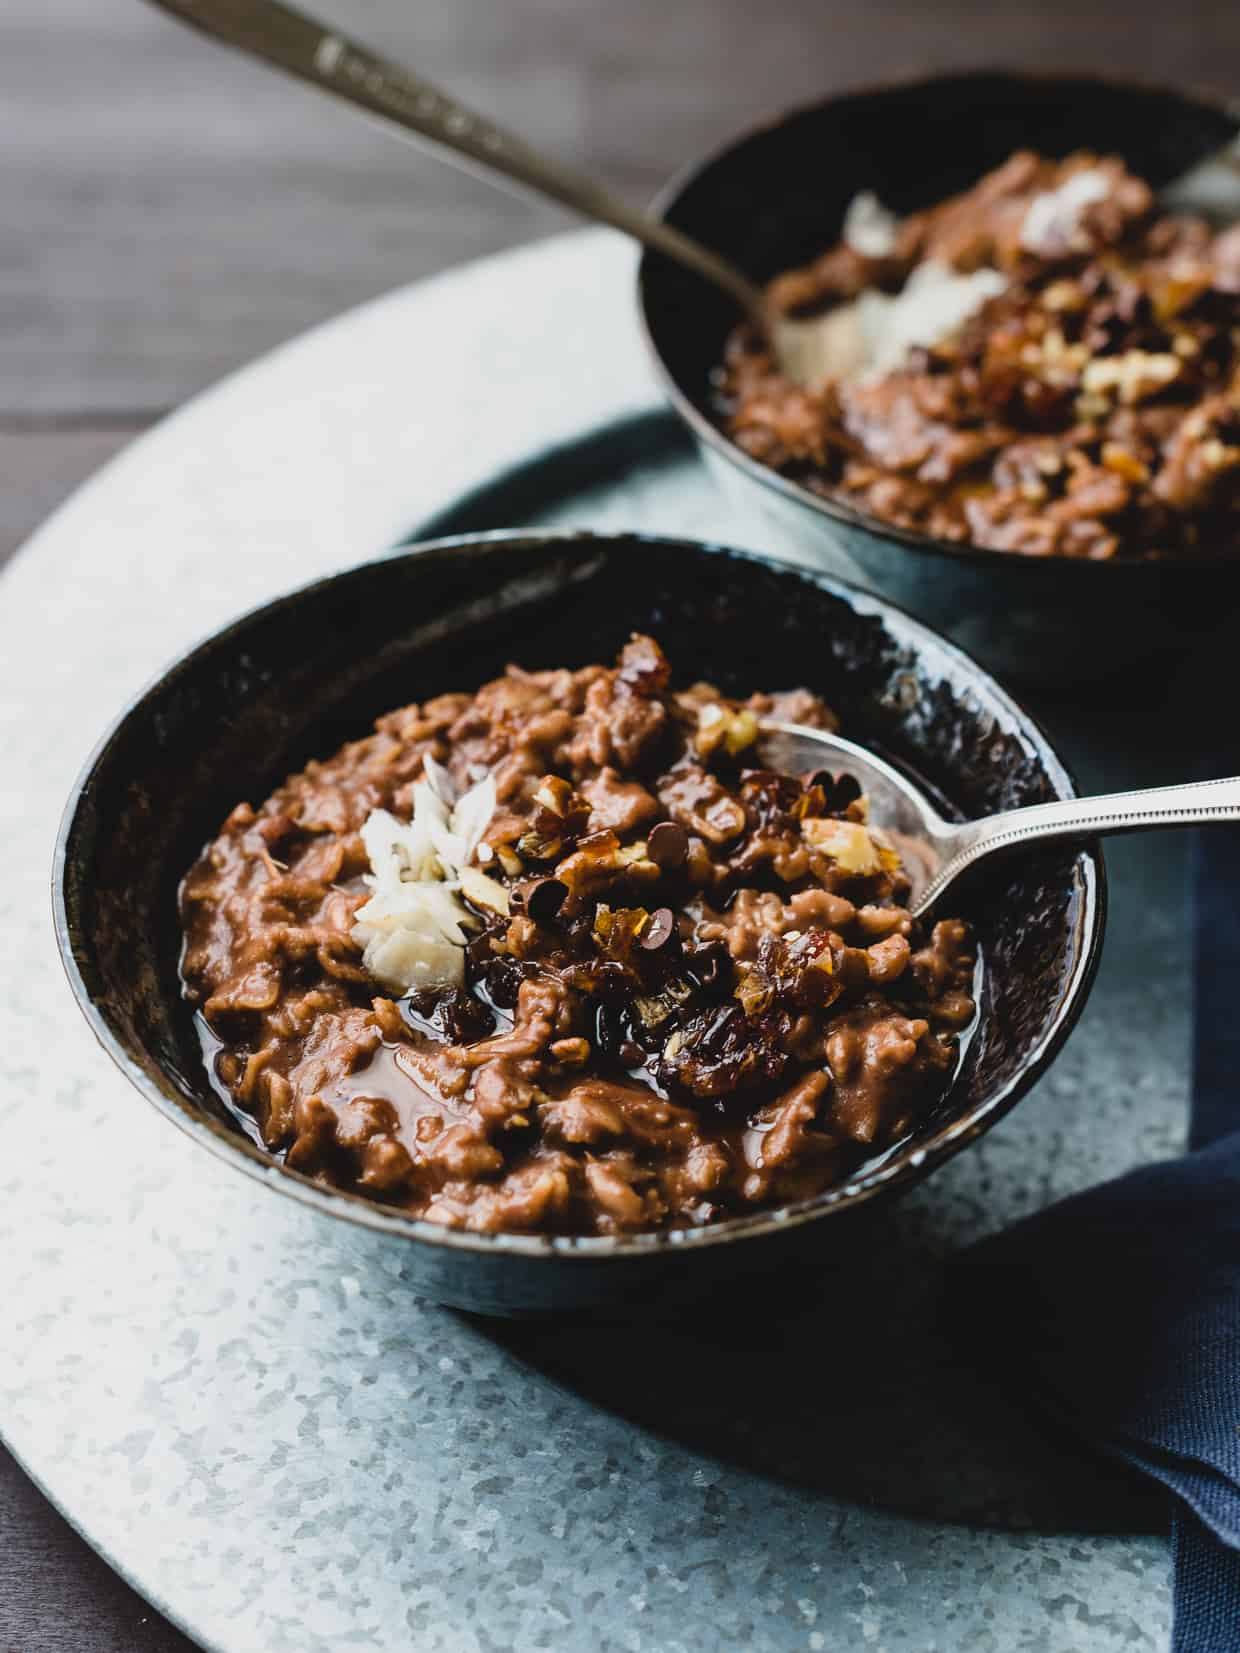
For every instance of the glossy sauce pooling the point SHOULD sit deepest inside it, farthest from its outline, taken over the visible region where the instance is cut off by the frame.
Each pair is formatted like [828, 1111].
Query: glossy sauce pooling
[706, 997]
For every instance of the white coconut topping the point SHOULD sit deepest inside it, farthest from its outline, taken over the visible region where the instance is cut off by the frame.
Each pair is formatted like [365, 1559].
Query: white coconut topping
[933, 303]
[875, 333]
[1053, 219]
[870, 228]
[415, 926]
[441, 783]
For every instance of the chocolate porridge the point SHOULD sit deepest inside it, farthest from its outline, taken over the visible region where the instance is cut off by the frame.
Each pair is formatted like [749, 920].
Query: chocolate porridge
[560, 956]
[1048, 364]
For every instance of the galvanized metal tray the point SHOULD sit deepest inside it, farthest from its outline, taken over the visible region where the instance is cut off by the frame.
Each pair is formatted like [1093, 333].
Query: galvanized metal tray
[258, 1423]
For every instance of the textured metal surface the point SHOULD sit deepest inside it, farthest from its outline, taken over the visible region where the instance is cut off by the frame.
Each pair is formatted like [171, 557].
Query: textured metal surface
[259, 1423]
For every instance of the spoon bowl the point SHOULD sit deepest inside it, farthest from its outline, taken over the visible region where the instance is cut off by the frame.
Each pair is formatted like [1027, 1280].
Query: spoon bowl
[935, 852]
[907, 818]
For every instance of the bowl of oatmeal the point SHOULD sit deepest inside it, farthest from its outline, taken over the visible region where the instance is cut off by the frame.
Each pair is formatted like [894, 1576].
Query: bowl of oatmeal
[452, 897]
[1020, 413]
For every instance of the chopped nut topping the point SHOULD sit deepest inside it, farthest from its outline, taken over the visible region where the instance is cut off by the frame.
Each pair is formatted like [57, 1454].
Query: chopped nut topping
[508, 859]
[1215, 454]
[1124, 463]
[717, 726]
[1132, 377]
[855, 849]
[569, 812]
[535, 846]
[483, 891]
[573, 1053]
[1063, 295]
[554, 794]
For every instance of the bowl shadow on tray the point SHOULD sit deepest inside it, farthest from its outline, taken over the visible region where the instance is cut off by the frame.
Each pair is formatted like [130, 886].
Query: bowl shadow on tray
[847, 1383]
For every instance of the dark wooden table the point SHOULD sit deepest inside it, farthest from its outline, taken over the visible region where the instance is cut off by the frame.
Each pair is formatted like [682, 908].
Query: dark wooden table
[170, 211]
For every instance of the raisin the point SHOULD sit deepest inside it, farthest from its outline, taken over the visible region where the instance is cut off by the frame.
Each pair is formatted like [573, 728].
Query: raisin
[453, 1017]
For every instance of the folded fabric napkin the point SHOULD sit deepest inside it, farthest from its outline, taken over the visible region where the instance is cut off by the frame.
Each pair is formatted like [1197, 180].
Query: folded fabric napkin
[1119, 1309]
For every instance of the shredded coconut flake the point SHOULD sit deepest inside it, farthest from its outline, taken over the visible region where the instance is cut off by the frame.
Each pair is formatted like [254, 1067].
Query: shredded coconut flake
[1053, 219]
[854, 848]
[1131, 376]
[875, 333]
[440, 780]
[415, 926]
[869, 227]
[932, 304]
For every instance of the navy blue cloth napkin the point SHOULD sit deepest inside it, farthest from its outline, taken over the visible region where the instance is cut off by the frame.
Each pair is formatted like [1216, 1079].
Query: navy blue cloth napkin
[1119, 1309]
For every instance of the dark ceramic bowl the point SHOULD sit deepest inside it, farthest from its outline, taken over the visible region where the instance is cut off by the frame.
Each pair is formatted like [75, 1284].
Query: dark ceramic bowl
[297, 678]
[775, 197]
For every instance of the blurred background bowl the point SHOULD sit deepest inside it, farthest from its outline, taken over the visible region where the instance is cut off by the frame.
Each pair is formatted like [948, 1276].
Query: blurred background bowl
[296, 678]
[776, 196]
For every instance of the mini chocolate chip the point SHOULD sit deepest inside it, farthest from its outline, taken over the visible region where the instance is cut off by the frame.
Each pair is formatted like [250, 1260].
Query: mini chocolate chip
[840, 790]
[710, 964]
[668, 845]
[658, 930]
[544, 898]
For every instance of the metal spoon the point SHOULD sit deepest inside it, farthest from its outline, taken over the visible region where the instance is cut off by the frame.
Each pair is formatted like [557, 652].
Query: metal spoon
[807, 351]
[935, 852]
[291, 41]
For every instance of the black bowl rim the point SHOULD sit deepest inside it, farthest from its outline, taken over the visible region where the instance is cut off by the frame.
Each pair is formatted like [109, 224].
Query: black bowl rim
[884, 1177]
[711, 437]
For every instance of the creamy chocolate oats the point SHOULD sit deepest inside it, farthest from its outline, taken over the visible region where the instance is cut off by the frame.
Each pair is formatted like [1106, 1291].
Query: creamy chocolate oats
[559, 956]
[1047, 364]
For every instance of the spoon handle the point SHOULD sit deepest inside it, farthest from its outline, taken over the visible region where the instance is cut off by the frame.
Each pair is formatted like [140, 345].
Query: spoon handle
[1193, 804]
[293, 42]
